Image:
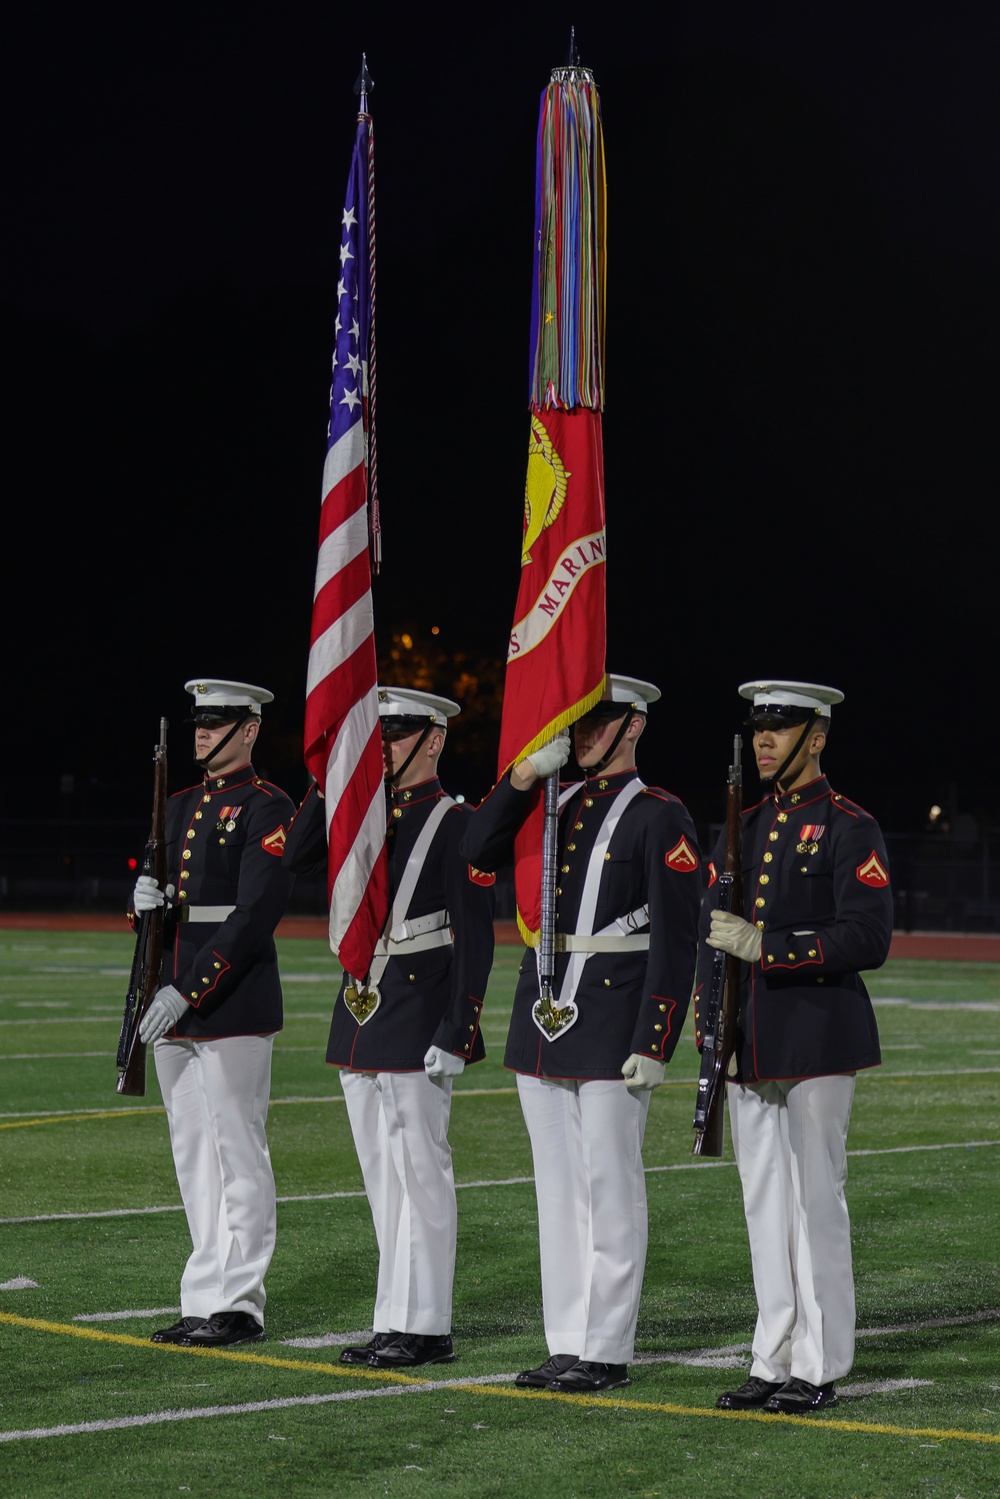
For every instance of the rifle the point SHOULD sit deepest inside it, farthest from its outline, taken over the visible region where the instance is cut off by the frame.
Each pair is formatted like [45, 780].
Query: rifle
[144, 979]
[724, 991]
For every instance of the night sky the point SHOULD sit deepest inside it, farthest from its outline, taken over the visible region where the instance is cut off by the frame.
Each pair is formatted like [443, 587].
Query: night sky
[800, 434]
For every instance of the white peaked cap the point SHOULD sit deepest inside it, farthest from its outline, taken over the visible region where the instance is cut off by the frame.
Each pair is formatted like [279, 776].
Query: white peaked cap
[407, 702]
[773, 694]
[210, 694]
[631, 690]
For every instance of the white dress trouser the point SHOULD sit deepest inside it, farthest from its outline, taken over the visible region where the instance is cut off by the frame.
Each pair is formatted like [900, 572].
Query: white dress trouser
[399, 1121]
[586, 1143]
[216, 1095]
[790, 1140]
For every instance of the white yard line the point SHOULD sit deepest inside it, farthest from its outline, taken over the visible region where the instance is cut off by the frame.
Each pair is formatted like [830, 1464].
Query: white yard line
[153, 1311]
[507, 1181]
[157, 1418]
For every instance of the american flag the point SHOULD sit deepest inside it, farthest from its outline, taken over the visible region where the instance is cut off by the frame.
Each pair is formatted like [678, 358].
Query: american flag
[343, 747]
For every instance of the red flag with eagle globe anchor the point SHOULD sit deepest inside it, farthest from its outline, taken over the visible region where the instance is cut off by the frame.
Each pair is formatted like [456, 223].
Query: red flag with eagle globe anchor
[556, 656]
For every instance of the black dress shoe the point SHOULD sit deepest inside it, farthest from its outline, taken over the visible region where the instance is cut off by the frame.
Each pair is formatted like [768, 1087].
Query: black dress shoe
[553, 1366]
[177, 1331]
[587, 1378]
[408, 1349]
[223, 1328]
[755, 1392]
[798, 1397]
[360, 1354]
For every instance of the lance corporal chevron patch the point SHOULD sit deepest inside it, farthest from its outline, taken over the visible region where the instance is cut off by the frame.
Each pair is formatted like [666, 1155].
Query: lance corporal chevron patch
[872, 872]
[682, 857]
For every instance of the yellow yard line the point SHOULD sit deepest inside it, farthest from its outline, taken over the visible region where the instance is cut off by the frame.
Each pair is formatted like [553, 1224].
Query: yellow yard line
[231, 1355]
[304, 1366]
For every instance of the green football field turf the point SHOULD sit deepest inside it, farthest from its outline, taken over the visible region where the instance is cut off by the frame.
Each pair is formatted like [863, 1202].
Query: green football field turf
[92, 1243]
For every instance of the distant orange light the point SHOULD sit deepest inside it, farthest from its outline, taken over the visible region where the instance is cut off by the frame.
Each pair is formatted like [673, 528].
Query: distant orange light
[435, 629]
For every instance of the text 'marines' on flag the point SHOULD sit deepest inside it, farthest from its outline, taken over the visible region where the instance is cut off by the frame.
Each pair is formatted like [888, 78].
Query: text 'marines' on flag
[556, 655]
[343, 748]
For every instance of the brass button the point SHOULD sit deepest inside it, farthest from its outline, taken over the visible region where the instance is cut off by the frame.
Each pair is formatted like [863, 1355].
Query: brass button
[397, 811]
[223, 842]
[782, 816]
[564, 869]
[759, 924]
[768, 857]
[820, 979]
[759, 902]
[607, 858]
[804, 869]
[412, 977]
[577, 826]
[657, 1027]
[607, 983]
[812, 952]
[571, 848]
[765, 879]
[407, 796]
[795, 798]
[472, 1027]
[559, 890]
[791, 957]
[206, 798]
[186, 854]
[838, 797]
[602, 785]
[662, 1009]
[588, 801]
[770, 957]
[194, 994]
[220, 784]
[773, 836]
[216, 965]
[185, 874]
[204, 978]
[466, 1046]
[197, 817]
[182, 894]
[190, 833]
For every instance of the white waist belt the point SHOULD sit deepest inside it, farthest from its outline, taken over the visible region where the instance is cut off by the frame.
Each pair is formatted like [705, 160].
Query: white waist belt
[213, 914]
[619, 935]
[568, 942]
[405, 931]
[393, 949]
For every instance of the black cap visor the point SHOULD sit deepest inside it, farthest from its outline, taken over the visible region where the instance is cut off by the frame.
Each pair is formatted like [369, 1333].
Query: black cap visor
[779, 716]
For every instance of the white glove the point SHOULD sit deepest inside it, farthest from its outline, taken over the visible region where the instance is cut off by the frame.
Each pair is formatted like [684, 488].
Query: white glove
[167, 1008]
[733, 935]
[642, 1074]
[147, 895]
[439, 1064]
[550, 757]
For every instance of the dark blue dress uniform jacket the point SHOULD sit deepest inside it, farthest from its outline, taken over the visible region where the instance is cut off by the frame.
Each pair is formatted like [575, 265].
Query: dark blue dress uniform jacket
[816, 880]
[429, 998]
[627, 1001]
[224, 840]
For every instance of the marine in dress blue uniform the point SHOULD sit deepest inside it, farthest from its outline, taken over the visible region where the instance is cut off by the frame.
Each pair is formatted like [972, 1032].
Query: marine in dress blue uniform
[216, 1014]
[402, 1039]
[627, 903]
[817, 911]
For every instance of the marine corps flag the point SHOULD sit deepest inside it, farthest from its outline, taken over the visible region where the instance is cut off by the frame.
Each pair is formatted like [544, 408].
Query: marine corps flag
[555, 661]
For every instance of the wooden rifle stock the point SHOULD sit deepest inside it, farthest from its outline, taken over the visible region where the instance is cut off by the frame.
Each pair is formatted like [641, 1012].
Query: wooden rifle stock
[724, 991]
[144, 979]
